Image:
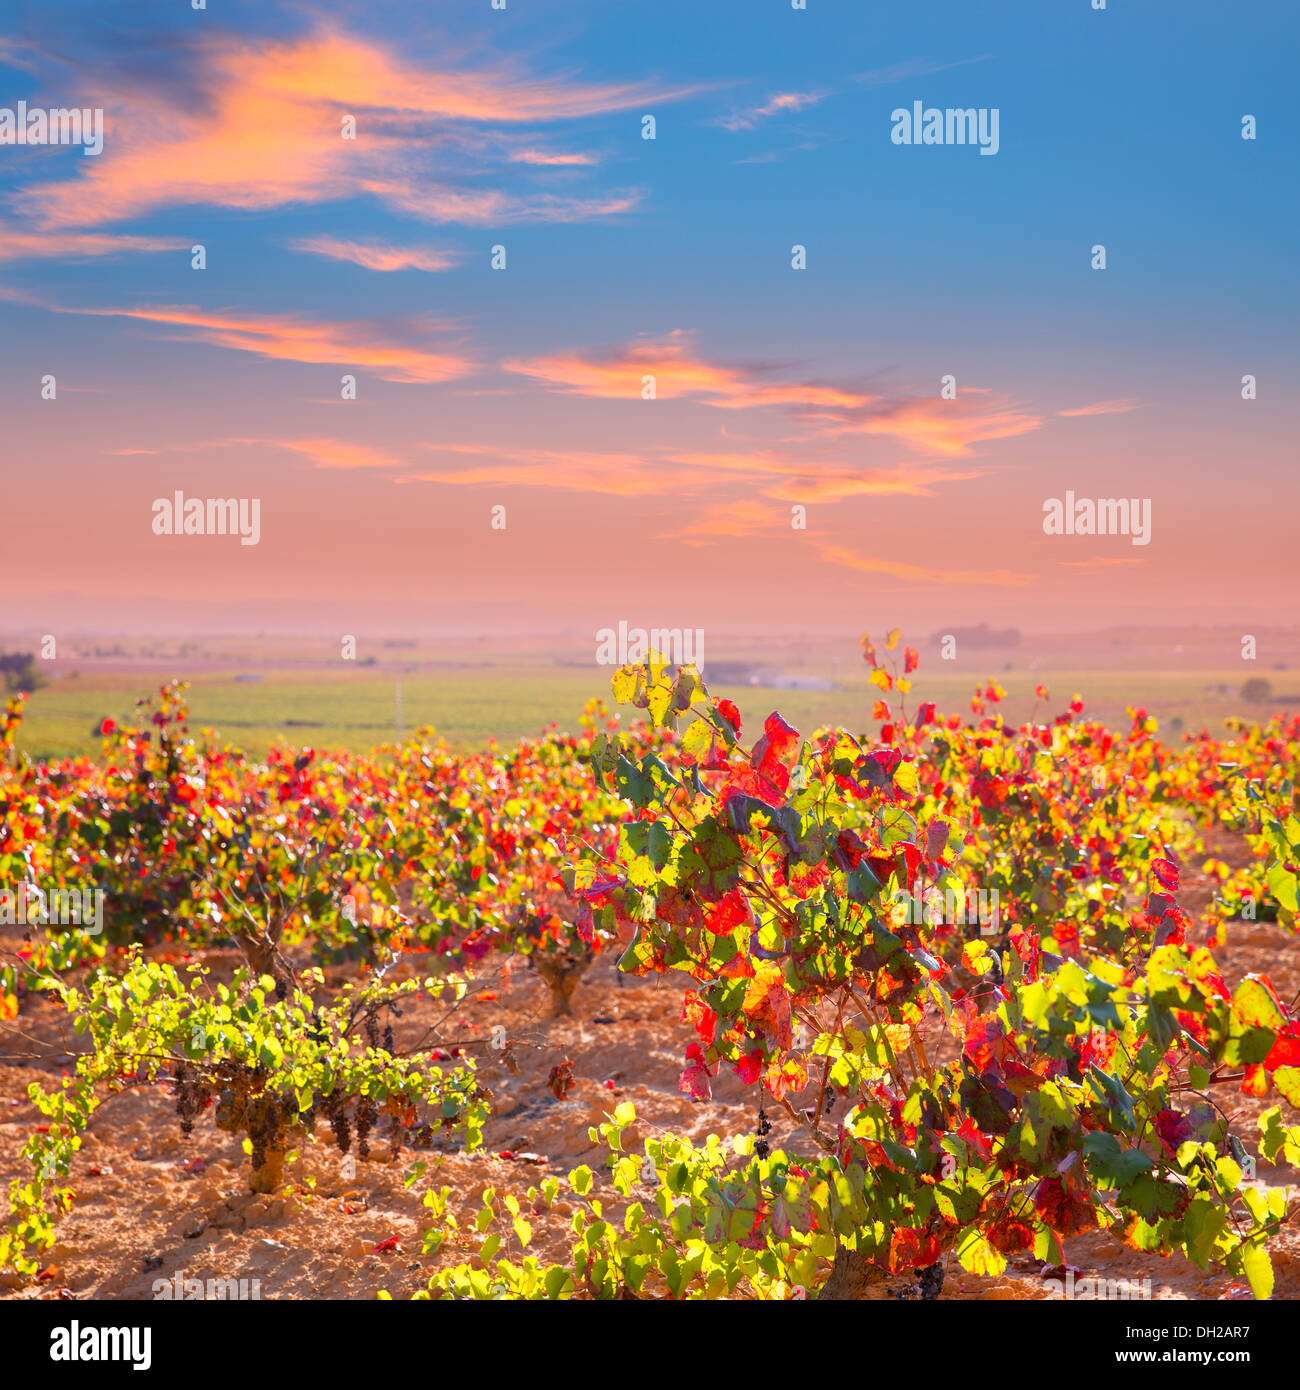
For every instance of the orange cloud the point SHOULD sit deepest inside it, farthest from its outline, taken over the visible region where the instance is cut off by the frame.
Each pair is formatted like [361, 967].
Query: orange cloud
[15, 245]
[376, 255]
[678, 372]
[618, 474]
[1102, 408]
[265, 130]
[729, 520]
[925, 423]
[359, 343]
[921, 574]
[932, 425]
[906, 480]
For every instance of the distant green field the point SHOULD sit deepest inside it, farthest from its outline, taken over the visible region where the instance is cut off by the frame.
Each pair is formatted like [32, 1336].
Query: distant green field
[471, 705]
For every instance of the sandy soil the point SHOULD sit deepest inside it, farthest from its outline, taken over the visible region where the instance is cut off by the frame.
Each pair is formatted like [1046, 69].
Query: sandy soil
[151, 1203]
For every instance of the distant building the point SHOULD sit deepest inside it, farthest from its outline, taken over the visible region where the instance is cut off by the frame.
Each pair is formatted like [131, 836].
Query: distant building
[767, 677]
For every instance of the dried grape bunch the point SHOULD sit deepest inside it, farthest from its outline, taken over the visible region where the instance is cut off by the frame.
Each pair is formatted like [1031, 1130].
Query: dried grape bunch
[190, 1097]
[260, 1137]
[338, 1118]
[367, 1114]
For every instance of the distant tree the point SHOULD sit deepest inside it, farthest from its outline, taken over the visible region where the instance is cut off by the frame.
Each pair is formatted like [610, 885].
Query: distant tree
[1256, 690]
[20, 673]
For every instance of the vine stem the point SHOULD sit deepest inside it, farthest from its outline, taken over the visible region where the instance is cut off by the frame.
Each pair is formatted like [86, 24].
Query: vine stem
[869, 1013]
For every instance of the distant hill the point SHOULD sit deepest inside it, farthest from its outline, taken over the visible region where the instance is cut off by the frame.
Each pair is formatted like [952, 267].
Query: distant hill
[981, 636]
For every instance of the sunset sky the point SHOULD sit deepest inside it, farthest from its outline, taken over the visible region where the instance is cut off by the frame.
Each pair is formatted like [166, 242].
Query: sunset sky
[628, 257]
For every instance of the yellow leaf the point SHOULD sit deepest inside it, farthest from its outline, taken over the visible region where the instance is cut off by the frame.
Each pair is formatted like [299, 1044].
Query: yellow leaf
[977, 1256]
[1259, 1271]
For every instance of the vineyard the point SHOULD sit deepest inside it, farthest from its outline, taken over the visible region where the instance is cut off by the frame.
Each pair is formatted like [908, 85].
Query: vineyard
[690, 1004]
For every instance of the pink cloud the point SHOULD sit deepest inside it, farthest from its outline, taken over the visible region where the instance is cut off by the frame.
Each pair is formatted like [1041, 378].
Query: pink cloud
[774, 105]
[374, 255]
[550, 158]
[1102, 408]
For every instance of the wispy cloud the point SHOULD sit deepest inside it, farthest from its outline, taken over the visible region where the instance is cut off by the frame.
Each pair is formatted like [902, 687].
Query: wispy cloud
[1102, 562]
[377, 255]
[922, 574]
[551, 158]
[904, 480]
[16, 245]
[930, 425]
[474, 207]
[384, 347]
[775, 473]
[732, 520]
[925, 423]
[338, 453]
[915, 67]
[1102, 408]
[775, 105]
[678, 372]
[258, 125]
[570, 470]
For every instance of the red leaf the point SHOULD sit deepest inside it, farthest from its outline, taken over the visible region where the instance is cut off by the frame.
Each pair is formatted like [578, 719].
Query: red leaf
[778, 745]
[912, 1249]
[1174, 1127]
[695, 1078]
[702, 1018]
[730, 713]
[730, 912]
[986, 1041]
[1166, 873]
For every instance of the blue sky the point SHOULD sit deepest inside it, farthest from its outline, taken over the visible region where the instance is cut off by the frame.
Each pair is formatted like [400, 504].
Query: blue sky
[1120, 127]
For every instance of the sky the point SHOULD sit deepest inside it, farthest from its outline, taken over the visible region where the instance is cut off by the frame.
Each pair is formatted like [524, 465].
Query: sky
[798, 467]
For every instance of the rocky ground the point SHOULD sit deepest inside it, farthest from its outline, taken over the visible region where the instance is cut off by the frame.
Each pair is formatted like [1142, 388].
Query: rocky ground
[151, 1203]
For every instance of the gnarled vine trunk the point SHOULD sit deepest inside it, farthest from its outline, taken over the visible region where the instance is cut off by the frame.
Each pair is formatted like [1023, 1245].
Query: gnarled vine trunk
[561, 974]
[851, 1276]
